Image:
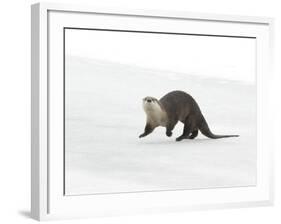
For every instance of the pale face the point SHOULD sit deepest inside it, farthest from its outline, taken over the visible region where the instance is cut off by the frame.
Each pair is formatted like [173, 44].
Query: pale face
[155, 115]
[149, 103]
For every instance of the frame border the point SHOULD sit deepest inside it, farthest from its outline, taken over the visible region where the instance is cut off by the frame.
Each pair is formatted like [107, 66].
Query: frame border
[40, 89]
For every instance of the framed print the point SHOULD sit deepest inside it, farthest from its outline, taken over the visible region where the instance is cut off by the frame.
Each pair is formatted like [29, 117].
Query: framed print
[148, 111]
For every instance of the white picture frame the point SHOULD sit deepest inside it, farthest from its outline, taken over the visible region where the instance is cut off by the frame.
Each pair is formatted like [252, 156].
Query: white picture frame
[48, 200]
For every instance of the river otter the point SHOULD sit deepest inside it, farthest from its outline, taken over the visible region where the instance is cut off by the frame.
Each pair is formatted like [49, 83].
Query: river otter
[173, 107]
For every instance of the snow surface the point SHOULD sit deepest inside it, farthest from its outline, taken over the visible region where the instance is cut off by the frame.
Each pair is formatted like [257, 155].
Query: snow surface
[104, 117]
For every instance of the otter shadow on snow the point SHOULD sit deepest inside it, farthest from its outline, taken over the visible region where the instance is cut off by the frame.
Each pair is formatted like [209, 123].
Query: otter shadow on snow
[170, 142]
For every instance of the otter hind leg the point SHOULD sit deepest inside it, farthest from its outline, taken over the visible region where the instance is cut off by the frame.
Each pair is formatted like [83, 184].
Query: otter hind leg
[193, 134]
[186, 130]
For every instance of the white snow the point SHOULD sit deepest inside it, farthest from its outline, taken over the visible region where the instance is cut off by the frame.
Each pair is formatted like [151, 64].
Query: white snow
[104, 118]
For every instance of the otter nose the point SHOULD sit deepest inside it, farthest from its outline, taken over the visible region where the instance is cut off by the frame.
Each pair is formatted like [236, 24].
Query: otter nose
[149, 101]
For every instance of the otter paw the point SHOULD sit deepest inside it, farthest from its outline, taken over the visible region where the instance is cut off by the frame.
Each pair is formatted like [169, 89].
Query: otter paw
[179, 138]
[142, 135]
[169, 133]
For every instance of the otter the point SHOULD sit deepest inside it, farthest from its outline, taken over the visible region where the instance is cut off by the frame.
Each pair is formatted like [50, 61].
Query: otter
[173, 107]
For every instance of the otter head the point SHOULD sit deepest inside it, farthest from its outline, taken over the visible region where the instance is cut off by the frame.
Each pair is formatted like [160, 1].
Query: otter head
[153, 110]
[150, 103]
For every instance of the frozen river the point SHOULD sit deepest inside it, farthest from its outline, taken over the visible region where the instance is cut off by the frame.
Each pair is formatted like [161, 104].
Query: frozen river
[104, 118]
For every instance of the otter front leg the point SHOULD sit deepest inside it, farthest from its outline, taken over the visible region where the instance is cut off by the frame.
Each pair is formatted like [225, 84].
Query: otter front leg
[147, 130]
[169, 129]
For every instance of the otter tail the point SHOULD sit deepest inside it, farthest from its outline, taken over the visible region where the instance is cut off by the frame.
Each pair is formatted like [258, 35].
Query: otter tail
[205, 130]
